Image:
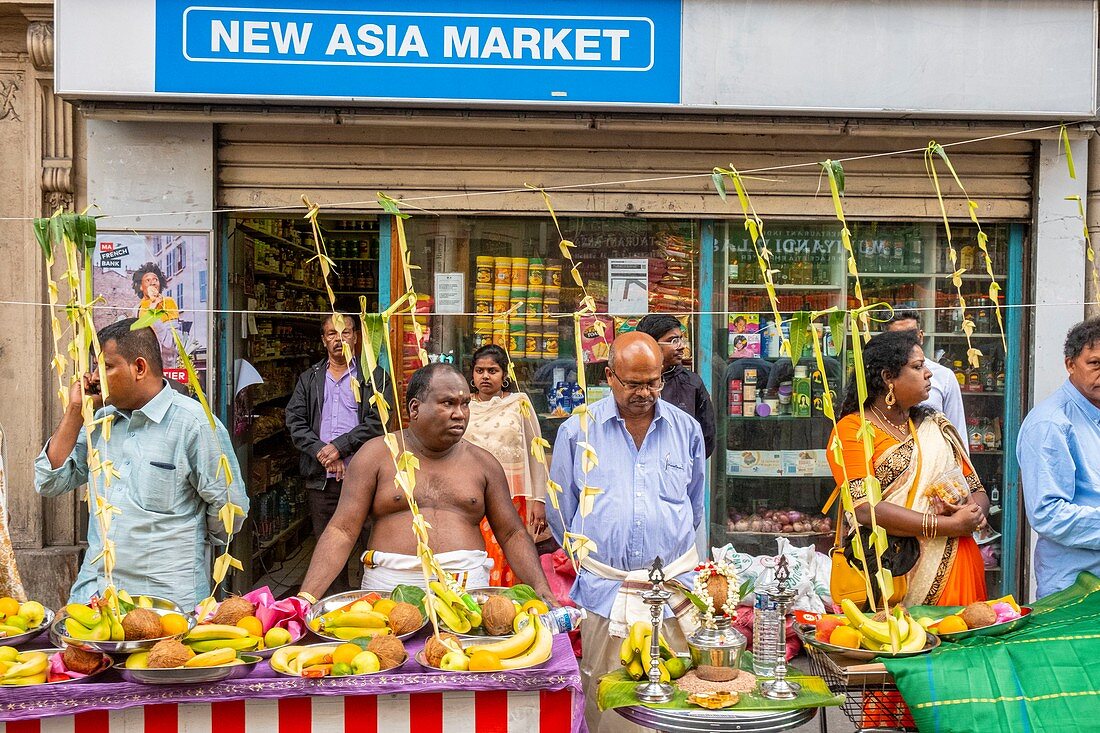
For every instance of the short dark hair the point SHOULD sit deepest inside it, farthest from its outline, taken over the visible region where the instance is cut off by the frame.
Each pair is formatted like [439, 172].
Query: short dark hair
[888, 351]
[420, 384]
[133, 343]
[909, 315]
[1082, 336]
[353, 321]
[658, 324]
[148, 267]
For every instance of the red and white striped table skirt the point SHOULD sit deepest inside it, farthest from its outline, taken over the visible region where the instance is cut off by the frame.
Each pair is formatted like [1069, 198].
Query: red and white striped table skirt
[451, 712]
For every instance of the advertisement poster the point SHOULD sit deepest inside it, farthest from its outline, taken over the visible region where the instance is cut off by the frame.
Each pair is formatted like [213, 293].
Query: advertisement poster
[135, 272]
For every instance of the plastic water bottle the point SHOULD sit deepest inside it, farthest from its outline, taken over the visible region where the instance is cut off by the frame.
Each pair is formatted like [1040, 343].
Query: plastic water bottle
[768, 631]
[563, 619]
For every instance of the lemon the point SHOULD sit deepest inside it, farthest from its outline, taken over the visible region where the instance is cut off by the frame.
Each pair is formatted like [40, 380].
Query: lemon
[535, 604]
[482, 661]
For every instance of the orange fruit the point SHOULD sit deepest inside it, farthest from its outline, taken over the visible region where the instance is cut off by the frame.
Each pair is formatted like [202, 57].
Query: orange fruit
[536, 604]
[8, 606]
[173, 624]
[384, 606]
[252, 625]
[345, 653]
[825, 627]
[951, 625]
[845, 636]
[481, 661]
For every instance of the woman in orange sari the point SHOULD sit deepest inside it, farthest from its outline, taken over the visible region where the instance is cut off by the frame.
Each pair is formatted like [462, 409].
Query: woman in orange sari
[503, 422]
[929, 487]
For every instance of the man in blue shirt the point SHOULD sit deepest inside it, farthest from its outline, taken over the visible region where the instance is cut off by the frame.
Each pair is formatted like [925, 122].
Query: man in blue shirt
[1059, 455]
[650, 472]
[165, 481]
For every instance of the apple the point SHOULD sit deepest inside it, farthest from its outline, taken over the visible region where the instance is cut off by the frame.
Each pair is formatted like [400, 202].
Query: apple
[34, 612]
[276, 636]
[455, 662]
[17, 621]
[365, 663]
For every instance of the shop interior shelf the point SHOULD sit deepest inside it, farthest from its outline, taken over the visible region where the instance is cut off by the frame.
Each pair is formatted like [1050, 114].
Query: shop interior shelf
[356, 292]
[770, 418]
[986, 453]
[972, 276]
[267, 237]
[982, 394]
[279, 357]
[285, 534]
[896, 275]
[268, 436]
[759, 286]
[963, 335]
[287, 281]
[354, 259]
[287, 317]
[734, 477]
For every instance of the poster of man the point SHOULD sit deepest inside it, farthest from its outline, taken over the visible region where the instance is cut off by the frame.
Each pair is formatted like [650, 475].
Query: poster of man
[136, 273]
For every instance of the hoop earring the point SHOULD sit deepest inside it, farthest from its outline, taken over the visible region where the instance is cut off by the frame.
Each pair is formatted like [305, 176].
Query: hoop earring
[473, 386]
[506, 384]
[891, 400]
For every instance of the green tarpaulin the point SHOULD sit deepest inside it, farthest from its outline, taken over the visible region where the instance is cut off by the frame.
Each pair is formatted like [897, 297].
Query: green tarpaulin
[1043, 677]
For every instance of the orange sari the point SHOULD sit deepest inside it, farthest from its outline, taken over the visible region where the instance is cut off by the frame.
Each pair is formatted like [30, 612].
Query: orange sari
[950, 571]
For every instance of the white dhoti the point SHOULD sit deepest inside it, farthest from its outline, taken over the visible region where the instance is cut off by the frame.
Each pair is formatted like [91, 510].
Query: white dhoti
[385, 570]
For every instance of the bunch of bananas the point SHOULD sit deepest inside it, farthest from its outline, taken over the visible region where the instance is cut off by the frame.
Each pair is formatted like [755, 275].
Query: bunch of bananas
[897, 633]
[527, 647]
[26, 668]
[355, 621]
[459, 612]
[634, 654]
[211, 637]
[102, 619]
[303, 661]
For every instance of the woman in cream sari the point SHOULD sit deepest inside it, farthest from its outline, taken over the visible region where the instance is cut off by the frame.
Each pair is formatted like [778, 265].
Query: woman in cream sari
[929, 487]
[504, 423]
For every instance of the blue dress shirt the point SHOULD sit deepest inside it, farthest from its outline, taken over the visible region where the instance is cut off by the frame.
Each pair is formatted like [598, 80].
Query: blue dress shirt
[652, 500]
[168, 493]
[1059, 455]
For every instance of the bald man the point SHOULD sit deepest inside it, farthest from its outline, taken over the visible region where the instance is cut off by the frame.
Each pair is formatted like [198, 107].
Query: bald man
[651, 458]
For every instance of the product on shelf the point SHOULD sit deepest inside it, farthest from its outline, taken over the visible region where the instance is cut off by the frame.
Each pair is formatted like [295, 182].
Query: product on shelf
[779, 521]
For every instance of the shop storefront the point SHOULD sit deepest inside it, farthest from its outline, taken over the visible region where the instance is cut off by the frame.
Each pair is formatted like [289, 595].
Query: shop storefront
[631, 187]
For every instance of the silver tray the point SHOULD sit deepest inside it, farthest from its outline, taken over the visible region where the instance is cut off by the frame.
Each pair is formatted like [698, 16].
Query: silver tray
[161, 606]
[29, 634]
[993, 630]
[331, 603]
[105, 664]
[699, 719]
[189, 675]
[806, 634]
[365, 674]
[479, 635]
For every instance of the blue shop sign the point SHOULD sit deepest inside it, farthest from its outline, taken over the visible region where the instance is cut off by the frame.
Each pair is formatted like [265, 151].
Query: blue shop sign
[562, 51]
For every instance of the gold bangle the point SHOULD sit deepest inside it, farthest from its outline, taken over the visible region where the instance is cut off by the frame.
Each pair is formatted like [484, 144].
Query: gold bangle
[308, 597]
[935, 526]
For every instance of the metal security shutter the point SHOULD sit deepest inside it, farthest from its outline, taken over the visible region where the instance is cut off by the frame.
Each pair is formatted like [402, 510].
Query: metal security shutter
[269, 164]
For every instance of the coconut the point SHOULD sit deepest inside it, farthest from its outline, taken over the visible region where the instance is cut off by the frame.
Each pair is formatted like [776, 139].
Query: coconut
[497, 615]
[141, 623]
[405, 618]
[389, 650]
[978, 615]
[232, 610]
[434, 649]
[169, 653]
[80, 660]
[717, 589]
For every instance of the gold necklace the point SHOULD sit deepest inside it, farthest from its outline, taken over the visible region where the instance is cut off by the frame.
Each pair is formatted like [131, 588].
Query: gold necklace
[893, 424]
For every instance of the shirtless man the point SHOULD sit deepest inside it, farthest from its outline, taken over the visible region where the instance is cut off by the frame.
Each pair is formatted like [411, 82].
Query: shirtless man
[457, 485]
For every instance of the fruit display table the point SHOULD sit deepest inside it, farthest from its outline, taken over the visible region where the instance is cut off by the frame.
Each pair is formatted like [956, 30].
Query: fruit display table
[546, 699]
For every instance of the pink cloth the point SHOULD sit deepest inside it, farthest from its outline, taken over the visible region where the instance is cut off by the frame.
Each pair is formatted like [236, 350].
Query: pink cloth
[289, 613]
[743, 623]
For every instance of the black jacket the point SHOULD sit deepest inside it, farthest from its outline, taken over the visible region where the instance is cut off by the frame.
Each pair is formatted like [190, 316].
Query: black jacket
[303, 418]
[685, 389]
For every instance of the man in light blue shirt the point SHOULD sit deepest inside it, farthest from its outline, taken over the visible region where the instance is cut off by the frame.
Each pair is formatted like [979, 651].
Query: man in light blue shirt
[1059, 455]
[167, 487]
[651, 460]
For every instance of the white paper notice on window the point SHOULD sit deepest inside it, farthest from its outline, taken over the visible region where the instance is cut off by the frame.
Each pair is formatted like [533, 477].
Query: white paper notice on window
[450, 289]
[628, 287]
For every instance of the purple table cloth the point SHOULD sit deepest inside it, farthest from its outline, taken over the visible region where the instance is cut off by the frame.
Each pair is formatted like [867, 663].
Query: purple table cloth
[110, 692]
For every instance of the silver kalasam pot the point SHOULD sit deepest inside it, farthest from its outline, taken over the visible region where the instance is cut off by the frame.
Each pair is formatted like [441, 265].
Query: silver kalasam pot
[718, 647]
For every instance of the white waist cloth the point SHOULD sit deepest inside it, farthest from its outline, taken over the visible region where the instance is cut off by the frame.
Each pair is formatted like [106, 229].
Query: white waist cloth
[629, 606]
[384, 570]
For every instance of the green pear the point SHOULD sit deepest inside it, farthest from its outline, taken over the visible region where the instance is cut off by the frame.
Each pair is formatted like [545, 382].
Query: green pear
[276, 636]
[17, 621]
[34, 612]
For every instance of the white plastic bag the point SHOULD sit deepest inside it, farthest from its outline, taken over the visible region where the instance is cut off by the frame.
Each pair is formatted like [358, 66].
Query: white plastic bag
[809, 573]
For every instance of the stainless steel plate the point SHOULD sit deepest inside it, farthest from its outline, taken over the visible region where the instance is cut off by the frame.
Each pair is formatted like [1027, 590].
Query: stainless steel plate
[995, 630]
[479, 635]
[806, 634]
[189, 675]
[333, 602]
[367, 674]
[29, 634]
[424, 663]
[690, 721]
[105, 664]
[161, 606]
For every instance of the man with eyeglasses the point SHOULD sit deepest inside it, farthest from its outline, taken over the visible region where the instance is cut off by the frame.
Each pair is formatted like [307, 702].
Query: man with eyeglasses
[325, 422]
[683, 387]
[641, 498]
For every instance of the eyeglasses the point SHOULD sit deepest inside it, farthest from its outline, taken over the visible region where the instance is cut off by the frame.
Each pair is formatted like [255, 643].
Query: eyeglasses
[655, 386]
[678, 341]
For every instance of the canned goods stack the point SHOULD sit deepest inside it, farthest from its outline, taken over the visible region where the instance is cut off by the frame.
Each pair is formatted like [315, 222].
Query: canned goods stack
[531, 290]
